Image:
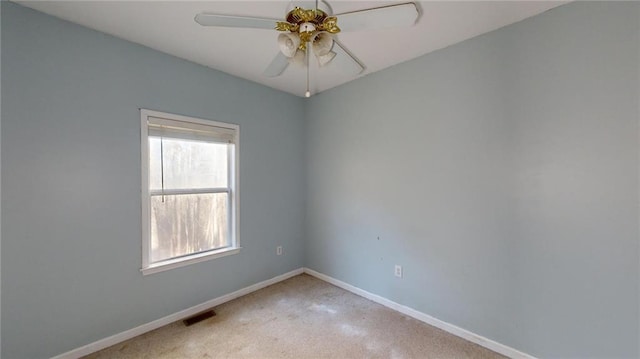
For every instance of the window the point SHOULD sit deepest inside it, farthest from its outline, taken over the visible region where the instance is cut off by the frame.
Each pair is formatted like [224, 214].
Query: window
[189, 190]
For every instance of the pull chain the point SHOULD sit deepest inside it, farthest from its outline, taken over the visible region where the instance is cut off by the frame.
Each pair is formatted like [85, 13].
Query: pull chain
[308, 93]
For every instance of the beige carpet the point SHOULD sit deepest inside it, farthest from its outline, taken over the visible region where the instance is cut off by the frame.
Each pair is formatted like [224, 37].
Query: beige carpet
[302, 317]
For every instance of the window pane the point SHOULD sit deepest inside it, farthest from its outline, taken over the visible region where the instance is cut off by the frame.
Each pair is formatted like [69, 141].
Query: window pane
[186, 164]
[187, 224]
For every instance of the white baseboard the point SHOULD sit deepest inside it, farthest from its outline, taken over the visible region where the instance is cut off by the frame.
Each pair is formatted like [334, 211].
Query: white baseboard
[447, 327]
[128, 334]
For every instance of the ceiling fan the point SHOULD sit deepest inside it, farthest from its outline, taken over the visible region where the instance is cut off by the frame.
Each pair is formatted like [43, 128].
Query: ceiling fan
[311, 24]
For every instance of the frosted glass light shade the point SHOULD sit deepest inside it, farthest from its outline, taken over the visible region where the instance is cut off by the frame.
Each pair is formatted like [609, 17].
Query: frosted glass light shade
[288, 43]
[326, 58]
[322, 43]
[298, 59]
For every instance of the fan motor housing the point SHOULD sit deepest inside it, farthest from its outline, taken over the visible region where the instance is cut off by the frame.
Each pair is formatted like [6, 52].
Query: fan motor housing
[296, 16]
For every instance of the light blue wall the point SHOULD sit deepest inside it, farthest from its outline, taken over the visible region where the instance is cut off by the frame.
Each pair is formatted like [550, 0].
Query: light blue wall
[71, 183]
[502, 173]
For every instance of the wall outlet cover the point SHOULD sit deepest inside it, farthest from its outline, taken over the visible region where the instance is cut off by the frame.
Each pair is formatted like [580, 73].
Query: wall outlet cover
[398, 271]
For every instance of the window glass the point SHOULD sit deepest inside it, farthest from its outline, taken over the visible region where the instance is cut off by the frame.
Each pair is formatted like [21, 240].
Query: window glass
[188, 224]
[186, 164]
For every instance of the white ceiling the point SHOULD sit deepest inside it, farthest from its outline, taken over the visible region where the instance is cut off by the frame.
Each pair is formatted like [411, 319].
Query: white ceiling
[168, 26]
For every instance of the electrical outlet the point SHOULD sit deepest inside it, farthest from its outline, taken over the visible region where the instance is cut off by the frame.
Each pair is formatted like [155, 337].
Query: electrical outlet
[398, 271]
[279, 250]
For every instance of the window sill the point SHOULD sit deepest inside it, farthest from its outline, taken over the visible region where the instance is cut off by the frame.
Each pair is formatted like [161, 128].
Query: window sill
[185, 261]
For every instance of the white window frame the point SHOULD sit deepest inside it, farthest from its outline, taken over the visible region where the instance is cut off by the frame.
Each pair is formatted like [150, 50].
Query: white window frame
[234, 248]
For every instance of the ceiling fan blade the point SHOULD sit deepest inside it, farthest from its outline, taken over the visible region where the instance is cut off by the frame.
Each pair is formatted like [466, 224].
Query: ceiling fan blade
[277, 66]
[234, 21]
[400, 15]
[345, 61]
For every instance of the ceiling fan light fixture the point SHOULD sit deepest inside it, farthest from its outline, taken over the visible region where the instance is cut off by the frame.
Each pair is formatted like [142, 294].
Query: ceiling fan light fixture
[298, 58]
[288, 43]
[322, 43]
[326, 58]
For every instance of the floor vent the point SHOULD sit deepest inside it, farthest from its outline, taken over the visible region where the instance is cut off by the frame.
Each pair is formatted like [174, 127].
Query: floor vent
[199, 317]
